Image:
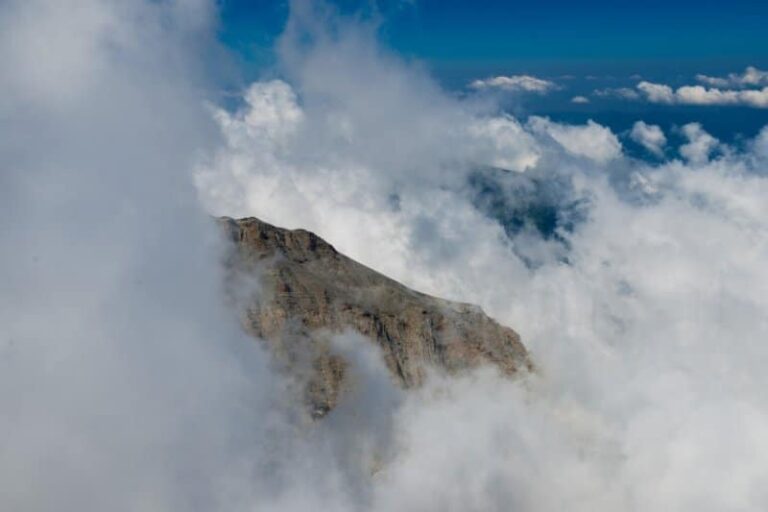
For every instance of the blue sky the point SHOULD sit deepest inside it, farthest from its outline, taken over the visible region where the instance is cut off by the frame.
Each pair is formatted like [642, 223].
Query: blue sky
[460, 35]
[599, 43]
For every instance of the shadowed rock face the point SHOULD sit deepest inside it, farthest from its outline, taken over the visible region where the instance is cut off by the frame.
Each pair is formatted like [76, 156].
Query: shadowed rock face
[308, 291]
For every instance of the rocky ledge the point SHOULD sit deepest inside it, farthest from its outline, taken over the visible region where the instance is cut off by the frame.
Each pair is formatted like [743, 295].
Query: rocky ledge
[306, 291]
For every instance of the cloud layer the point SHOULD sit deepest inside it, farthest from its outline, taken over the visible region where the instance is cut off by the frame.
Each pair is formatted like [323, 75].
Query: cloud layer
[125, 382]
[645, 315]
[127, 385]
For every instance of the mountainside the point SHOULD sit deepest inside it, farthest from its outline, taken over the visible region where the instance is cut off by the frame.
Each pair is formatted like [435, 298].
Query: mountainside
[307, 291]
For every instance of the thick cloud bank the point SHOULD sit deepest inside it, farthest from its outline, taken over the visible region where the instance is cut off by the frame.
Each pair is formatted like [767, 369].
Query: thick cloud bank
[125, 383]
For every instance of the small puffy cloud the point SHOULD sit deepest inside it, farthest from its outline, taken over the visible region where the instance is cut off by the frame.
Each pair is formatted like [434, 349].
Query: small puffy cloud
[580, 100]
[515, 83]
[592, 140]
[700, 95]
[700, 144]
[650, 136]
[657, 93]
[751, 77]
[624, 93]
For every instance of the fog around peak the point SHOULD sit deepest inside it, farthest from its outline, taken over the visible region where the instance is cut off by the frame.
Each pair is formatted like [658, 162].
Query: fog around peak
[126, 383]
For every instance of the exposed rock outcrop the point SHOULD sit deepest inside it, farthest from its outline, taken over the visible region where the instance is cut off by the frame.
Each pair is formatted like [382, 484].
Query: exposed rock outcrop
[309, 291]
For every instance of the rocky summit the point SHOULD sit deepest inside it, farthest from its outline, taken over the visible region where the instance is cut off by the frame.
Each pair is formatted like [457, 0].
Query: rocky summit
[304, 292]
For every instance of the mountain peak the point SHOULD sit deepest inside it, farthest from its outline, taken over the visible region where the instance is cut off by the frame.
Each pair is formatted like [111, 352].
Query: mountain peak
[309, 291]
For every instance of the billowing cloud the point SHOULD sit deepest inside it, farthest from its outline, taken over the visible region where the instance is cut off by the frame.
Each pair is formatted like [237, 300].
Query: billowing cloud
[507, 143]
[515, 83]
[593, 141]
[650, 136]
[127, 385]
[638, 296]
[630, 327]
[125, 382]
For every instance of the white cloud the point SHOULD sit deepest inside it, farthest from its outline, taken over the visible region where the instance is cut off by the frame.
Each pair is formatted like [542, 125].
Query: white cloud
[506, 142]
[657, 93]
[593, 431]
[700, 144]
[580, 100]
[757, 98]
[273, 110]
[699, 95]
[718, 92]
[751, 77]
[591, 140]
[620, 92]
[629, 334]
[125, 381]
[126, 384]
[650, 136]
[515, 83]
[760, 144]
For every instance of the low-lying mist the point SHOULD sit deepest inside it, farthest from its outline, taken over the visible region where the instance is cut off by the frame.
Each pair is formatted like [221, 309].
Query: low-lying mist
[126, 382]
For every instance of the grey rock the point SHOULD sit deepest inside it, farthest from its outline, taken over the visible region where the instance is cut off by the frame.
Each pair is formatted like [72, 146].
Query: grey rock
[308, 292]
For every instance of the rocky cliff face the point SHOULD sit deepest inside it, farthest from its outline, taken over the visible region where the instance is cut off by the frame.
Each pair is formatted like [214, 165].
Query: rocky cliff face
[307, 291]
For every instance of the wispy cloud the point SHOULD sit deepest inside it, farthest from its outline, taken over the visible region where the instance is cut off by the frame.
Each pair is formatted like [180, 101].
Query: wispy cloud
[625, 93]
[125, 384]
[515, 83]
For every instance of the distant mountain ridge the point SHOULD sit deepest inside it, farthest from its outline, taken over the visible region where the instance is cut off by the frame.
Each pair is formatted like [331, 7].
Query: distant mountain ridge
[308, 291]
